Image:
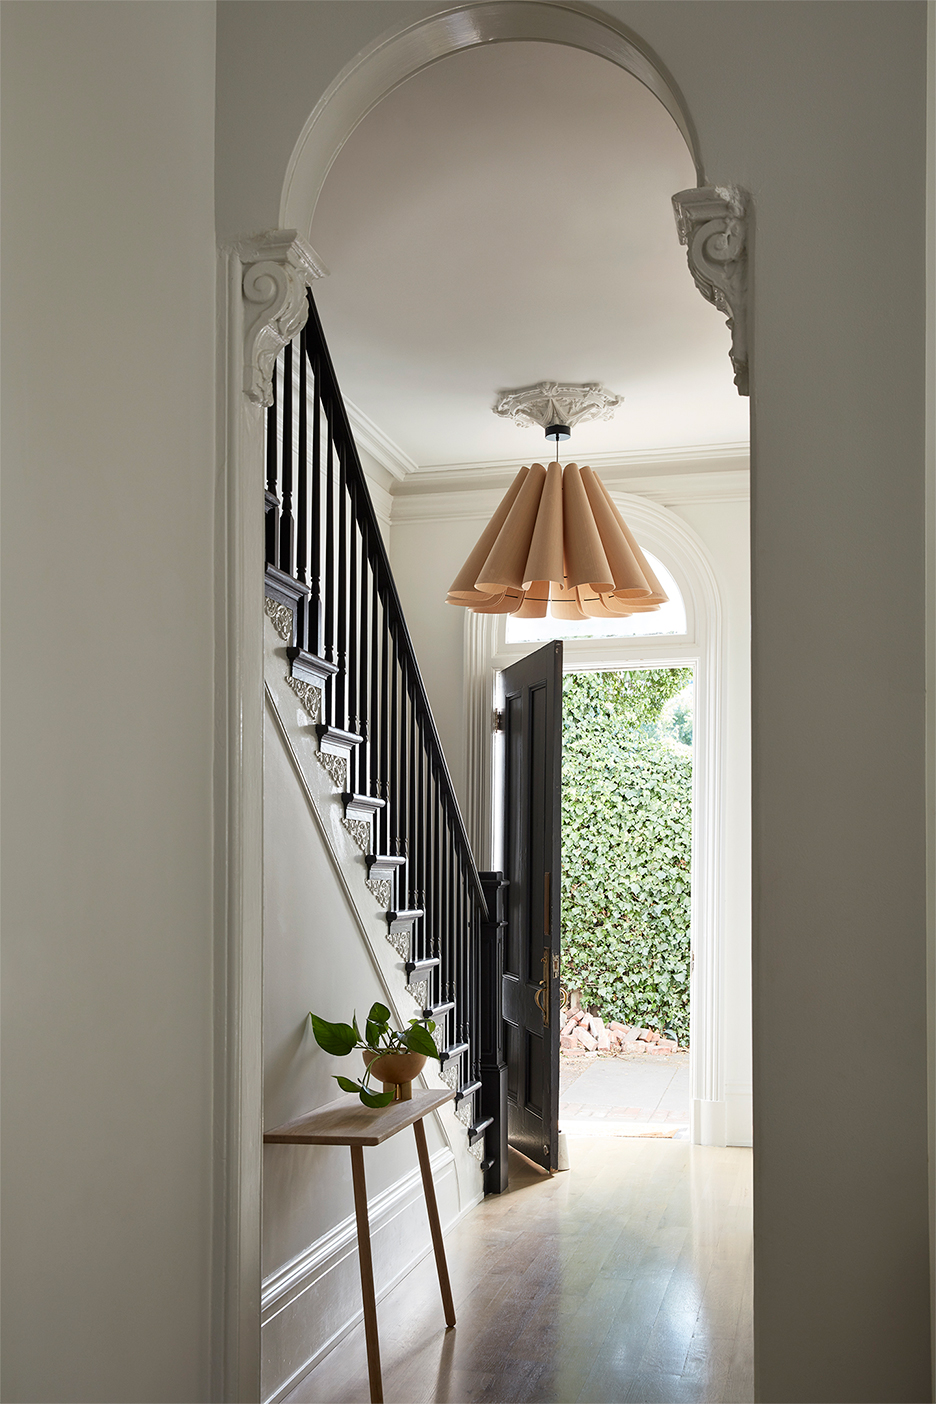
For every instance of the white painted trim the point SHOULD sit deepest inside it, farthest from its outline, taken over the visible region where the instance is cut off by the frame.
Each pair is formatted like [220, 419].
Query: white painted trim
[667, 536]
[281, 1285]
[237, 1088]
[480, 644]
[407, 49]
[379, 445]
[477, 504]
[342, 864]
[930, 528]
[437, 477]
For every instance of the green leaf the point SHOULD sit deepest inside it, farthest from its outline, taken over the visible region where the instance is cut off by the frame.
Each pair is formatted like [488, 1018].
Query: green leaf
[338, 1039]
[379, 1014]
[376, 1099]
[346, 1084]
[418, 1040]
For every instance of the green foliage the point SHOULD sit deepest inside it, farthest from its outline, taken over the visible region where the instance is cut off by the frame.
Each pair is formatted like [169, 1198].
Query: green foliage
[342, 1039]
[626, 845]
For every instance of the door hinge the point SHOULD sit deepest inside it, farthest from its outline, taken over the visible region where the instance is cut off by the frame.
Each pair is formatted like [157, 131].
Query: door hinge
[498, 721]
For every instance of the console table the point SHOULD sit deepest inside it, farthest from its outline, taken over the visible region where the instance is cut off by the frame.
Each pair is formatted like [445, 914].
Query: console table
[347, 1122]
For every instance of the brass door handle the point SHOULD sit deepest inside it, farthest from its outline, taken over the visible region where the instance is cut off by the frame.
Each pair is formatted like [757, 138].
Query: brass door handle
[542, 993]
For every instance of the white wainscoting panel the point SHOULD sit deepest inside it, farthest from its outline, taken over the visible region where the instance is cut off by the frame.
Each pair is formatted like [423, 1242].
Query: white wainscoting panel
[310, 1303]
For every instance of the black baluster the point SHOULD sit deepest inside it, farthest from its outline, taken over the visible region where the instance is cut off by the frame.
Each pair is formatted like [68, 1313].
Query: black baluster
[314, 642]
[354, 624]
[287, 524]
[272, 496]
[302, 496]
[393, 777]
[329, 581]
[341, 599]
[378, 788]
[363, 664]
[384, 714]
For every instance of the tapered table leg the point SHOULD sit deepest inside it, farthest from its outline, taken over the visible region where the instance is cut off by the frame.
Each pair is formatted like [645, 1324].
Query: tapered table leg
[367, 1273]
[435, 1228]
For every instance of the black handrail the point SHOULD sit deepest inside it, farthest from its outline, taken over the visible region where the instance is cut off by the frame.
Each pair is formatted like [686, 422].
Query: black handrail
[364, 508]
[326, 558]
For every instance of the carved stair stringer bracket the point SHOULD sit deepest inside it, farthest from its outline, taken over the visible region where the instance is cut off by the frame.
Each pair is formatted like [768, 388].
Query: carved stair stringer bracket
[712, 222]
[278, 267]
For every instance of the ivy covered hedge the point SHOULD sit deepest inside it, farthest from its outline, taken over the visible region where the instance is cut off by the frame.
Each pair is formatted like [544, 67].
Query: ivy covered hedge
[626, 844]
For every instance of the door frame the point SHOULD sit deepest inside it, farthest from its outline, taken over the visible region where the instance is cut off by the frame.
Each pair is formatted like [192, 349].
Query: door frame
[702, 647]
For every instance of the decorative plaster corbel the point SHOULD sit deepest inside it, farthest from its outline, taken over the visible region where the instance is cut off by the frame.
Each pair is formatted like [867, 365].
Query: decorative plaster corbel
[278, 267]
[712, 223]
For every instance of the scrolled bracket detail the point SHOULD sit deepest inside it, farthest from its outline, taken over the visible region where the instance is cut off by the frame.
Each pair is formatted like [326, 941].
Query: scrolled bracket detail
[278, 267]
[712, 223]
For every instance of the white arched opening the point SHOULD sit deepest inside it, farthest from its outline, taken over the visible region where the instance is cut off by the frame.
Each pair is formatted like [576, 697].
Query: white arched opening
[266, 277]
[402, 52]
[668, 537]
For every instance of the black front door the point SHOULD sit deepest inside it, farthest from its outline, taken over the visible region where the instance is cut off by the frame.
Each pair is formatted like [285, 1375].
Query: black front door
[532, 809]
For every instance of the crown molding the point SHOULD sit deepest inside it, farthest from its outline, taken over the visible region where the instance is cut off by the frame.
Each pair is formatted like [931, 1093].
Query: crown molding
[379, 445]
[477, 504]
[697, 460]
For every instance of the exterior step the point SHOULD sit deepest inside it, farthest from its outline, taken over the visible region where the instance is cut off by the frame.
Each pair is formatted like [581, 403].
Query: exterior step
[454, 1050]
[308, 667]
[419, 969]
[467, 1089]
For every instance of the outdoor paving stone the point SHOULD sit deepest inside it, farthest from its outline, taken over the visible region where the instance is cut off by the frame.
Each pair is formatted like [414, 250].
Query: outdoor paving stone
[630, 1089]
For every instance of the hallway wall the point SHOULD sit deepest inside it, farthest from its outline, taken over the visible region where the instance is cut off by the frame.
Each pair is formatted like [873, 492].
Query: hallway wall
[108, 568]
[818, 110]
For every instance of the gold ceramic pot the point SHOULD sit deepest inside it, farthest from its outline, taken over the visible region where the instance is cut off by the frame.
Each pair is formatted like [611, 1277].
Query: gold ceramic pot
[396, 1071]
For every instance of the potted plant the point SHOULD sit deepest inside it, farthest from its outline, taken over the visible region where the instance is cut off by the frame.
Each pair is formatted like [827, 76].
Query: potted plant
[393, 1057]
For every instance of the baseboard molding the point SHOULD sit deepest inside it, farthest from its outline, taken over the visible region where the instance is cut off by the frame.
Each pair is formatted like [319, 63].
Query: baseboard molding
[317, 1294]
[708, 1123]
[739, 1114]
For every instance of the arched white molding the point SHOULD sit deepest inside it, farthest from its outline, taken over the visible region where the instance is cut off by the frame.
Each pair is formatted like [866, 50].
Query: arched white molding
[670, 538]
[398, 54]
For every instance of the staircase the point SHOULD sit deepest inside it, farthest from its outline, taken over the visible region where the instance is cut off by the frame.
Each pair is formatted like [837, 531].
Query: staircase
[331, 596]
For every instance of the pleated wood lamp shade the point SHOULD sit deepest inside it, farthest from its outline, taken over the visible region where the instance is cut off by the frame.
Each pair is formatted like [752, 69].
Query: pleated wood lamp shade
[557, 541]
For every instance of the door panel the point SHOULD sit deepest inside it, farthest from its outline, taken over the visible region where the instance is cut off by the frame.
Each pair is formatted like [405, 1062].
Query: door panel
[533, 762]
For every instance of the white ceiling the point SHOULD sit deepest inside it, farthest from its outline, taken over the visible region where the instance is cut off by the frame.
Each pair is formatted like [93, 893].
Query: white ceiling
[504, 217]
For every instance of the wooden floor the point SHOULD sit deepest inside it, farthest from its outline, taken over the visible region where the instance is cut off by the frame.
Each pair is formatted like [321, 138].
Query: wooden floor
[627, 1278]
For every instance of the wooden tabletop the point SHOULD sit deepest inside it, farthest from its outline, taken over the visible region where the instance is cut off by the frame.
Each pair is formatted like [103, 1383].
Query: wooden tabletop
[347, 1122]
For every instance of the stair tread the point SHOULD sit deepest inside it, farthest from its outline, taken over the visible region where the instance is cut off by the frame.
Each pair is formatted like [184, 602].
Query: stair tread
[334, 736]
[309, 665]
[429, 963]
[370, 802]
[436, 1011]
[412, 915]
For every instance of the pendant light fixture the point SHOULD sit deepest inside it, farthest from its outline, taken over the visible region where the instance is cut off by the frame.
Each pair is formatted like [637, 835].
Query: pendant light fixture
[557, 543]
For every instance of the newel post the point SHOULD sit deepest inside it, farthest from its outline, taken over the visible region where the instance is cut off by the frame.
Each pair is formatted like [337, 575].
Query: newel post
[493, 1066]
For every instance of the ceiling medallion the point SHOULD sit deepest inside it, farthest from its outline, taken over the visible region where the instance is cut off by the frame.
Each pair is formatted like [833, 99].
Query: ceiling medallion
[549, 403]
